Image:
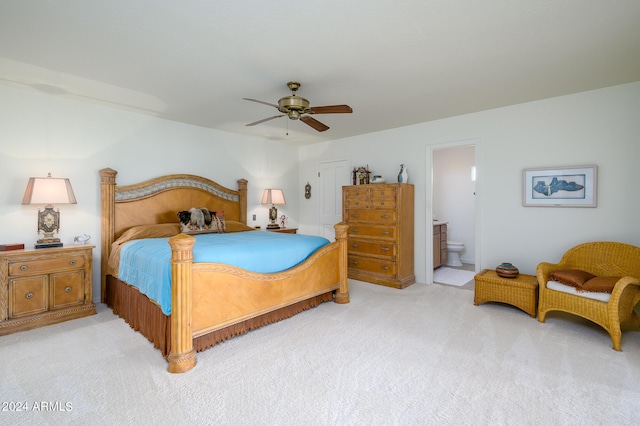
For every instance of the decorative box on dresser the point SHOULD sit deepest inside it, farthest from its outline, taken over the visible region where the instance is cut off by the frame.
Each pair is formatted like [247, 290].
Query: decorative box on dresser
[44, 286]
[380, 236]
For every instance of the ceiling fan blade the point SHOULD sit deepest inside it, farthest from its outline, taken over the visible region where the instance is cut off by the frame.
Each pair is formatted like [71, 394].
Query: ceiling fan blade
[261, 102]
[265, 119]
[331, 109]
[312, 122]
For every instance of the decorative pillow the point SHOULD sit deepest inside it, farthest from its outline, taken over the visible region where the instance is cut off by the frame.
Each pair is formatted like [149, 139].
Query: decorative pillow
[600, 284]
[573, 277]
[160, 230]
[201, 221]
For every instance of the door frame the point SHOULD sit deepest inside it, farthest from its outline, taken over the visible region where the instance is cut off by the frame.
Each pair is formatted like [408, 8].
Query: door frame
[429, 202]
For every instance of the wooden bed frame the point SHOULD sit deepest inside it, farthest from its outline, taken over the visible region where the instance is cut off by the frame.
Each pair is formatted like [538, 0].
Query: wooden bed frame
[210, 301]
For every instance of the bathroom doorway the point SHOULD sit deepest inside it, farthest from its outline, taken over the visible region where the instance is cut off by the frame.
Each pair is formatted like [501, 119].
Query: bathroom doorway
[452, 199]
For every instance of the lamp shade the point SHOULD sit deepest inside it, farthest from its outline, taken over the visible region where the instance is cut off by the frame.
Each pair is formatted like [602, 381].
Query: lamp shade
[273, 196]
[48, 190]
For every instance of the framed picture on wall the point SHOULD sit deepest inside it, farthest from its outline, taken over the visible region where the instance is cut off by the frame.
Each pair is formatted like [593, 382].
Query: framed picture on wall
[560, 187]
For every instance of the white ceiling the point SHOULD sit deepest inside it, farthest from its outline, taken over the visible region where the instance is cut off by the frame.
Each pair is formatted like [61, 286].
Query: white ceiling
[395, 63]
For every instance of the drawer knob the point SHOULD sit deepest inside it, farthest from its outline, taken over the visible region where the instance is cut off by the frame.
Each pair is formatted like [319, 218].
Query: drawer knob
[385, 232]
[72, 262]
[385, 267]
[23, 268]
[29, 295]
[354, 262]
[355, 231]
[382, 203]
[354, 245]
[384, 216]
[67, 289]
[385, 248]
[355, 215]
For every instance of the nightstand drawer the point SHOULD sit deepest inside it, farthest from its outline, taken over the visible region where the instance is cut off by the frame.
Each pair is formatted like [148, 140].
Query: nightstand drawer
[27, 296]
[46, 265]
[371, 247]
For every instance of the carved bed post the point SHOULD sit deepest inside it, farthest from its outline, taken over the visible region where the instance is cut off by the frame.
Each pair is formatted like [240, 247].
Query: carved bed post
[242, 188]
[182, 356]
[342, 296]
[108, 178]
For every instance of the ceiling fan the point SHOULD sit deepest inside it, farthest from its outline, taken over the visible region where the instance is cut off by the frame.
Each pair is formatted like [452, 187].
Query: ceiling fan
[296, 108]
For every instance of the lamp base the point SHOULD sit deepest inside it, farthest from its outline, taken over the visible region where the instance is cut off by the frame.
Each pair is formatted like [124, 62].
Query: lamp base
[273, 225]
[40, 245]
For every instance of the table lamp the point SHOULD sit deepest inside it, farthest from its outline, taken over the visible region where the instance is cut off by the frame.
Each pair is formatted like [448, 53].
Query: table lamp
[47, 191]
[273, 197]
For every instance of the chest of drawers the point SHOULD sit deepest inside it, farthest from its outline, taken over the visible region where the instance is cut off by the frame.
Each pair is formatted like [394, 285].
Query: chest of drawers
[44, 286]
[380, 237]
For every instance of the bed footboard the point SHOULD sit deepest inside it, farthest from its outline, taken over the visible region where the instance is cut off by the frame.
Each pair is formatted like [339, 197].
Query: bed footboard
[207, 297]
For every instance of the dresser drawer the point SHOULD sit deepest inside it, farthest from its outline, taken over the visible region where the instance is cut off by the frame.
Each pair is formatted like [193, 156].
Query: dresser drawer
[46, 265]
[356, 198]
[377, 266]
[28, 296]
[359, 230]
[387, 249]
[382, 217]
[383, 191]
[383, 198]
[356, 203]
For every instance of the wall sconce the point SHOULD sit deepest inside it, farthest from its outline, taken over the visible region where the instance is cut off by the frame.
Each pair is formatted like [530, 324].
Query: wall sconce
[273, 197]
[48, 191]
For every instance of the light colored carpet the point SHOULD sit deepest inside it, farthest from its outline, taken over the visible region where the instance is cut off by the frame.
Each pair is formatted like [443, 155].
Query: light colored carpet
[419, 356]
[457, 277]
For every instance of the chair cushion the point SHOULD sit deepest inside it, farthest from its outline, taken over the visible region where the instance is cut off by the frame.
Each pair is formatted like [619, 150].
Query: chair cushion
[600, 284]
[573, 277]
[602, 297]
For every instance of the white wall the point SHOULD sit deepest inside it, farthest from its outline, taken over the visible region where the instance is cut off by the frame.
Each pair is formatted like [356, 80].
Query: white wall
[43, 133]
[597, 127]
[454, 196]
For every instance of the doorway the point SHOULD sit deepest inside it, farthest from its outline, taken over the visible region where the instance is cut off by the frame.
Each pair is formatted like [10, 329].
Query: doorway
[453, 198]
[332, 176]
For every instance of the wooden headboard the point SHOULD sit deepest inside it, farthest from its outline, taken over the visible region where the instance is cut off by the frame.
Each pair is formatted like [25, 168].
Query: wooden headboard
[158, 201]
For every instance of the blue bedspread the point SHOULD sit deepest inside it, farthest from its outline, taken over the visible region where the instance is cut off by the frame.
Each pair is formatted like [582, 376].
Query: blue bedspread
[145, 263]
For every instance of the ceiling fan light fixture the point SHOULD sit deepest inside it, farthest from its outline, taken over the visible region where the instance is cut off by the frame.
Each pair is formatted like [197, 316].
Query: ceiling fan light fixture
[294, 115]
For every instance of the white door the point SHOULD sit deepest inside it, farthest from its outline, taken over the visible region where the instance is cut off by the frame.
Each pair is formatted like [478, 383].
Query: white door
[332, 176]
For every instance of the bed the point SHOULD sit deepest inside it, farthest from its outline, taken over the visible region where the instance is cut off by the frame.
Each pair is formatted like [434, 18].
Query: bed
[210, 301]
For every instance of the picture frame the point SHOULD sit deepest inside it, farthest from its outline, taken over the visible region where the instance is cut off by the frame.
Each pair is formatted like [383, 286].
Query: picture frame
[573, 186]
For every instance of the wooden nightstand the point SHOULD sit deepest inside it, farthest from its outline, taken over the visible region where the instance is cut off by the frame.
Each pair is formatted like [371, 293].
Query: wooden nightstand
[44, 286]
[285, 230]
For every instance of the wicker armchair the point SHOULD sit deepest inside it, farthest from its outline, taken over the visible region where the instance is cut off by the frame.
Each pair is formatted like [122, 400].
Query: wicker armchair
[602, 259]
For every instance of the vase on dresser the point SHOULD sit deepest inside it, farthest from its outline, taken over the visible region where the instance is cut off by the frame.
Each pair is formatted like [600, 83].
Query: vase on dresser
[403, 176]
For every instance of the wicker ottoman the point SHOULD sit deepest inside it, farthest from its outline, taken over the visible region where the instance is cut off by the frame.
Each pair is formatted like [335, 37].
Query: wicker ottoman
[521, 292]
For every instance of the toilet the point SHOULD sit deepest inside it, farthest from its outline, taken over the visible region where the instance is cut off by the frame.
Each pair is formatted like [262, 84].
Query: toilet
[453, 253]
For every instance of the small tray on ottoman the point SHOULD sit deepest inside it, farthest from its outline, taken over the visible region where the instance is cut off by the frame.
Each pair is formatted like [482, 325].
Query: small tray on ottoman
[521, 292]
